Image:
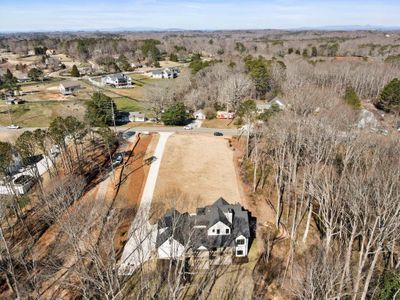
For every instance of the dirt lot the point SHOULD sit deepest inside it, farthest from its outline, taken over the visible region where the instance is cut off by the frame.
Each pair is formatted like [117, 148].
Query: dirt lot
[218, 123]
[200, 167]
[9, 136]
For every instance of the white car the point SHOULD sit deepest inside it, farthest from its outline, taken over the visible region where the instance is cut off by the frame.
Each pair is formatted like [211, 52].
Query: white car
[13, 126]
[188, 127]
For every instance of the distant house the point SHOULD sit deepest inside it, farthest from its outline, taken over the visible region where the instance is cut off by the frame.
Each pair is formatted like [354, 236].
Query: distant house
[15, 101]
[22, 77]
[279, 102]
[117, 80]
[31, 52]
[166, 73]
[225, 115]
[262, 107]
[136, 116]
[219, 227]
[68, 87]
[136, 65]
[199, 115]
[51, 52]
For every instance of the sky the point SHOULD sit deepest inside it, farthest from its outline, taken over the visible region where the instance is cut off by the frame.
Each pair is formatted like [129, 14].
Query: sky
[55, 15]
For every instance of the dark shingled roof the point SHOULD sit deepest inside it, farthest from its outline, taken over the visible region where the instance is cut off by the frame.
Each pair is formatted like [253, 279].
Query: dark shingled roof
[182, 228]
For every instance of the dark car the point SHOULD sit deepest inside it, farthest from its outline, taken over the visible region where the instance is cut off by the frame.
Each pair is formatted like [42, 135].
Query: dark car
[217, 133]
[117, 160]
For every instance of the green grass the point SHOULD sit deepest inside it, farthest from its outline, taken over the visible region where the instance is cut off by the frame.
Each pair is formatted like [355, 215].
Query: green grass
[127, 105]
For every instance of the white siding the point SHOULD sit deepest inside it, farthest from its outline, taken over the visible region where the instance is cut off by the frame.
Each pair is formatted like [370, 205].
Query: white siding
[243, 247]
[219, 227]
[170, 249]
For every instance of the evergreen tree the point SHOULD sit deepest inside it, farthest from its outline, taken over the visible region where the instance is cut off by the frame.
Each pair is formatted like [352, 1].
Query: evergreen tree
[259, 71]
[389, 99]
[175, 114]
[100, 109]
[35, 74]
[75, 71]
[173, 57]
[352, 98]
[314, 51]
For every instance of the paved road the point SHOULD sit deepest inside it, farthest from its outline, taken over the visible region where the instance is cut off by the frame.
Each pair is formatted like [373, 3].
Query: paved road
[146, 129]
[181, 129]
[142, 235]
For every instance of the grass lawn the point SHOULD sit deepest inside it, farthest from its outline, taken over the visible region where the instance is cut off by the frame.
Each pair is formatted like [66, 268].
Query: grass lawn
[40, 114]
[127, 105]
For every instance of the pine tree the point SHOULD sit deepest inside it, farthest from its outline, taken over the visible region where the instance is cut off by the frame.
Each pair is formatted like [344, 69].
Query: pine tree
[75, 71]
[352, 98]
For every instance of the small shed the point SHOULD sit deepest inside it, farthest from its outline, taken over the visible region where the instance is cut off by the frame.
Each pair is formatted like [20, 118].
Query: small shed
[68, 87]
[199, 115]
[136, 116]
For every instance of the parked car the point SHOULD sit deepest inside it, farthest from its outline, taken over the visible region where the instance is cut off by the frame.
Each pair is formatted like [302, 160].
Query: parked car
[217, 133]
[117, 160]
[13, 126]
[188, 127]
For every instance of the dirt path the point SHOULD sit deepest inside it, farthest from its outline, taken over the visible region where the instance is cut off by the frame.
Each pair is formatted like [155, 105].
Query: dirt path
[142, 235]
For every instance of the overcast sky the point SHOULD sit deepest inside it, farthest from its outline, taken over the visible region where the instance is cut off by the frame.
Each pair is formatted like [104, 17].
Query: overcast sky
[31, 15]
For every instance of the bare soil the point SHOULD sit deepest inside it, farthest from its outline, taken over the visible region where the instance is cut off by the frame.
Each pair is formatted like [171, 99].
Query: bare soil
[133, 178]
[198, 167]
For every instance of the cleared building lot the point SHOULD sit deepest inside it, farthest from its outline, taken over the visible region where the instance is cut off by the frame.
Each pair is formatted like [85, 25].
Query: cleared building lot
[196, 170]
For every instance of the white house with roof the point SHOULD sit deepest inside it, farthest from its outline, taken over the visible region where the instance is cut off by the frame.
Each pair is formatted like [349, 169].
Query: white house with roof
[117, 80]
[68, 87]
[137, 116]
[262, 107]
[165, 73]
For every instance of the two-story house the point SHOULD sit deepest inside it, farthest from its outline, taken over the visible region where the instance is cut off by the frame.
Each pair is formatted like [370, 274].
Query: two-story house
[216, 227]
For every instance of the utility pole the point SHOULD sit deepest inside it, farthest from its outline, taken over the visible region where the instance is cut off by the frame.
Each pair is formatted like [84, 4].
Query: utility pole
[113, 115]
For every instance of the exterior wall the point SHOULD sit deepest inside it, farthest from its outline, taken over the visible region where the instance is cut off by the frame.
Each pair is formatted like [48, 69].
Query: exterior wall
[158, 76]
[218, 226]
[225, 115]
[200, 116]
[136, 119]
[18, 188]
[66, 91]
[170, 249]
[243, 247]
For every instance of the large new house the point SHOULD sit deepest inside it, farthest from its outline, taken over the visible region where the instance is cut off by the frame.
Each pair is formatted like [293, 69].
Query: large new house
[117, 80]
[216, 227]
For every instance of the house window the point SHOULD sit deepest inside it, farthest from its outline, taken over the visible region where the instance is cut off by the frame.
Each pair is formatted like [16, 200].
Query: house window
[227, 231]
[217, 231]
[239, 252]
[213, 230]
[240, 242]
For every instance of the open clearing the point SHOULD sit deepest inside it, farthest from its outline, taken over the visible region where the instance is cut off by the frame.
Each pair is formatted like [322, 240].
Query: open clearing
[198, 166]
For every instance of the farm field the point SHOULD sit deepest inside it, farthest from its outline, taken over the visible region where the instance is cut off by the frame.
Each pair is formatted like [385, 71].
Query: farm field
[195, 171]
